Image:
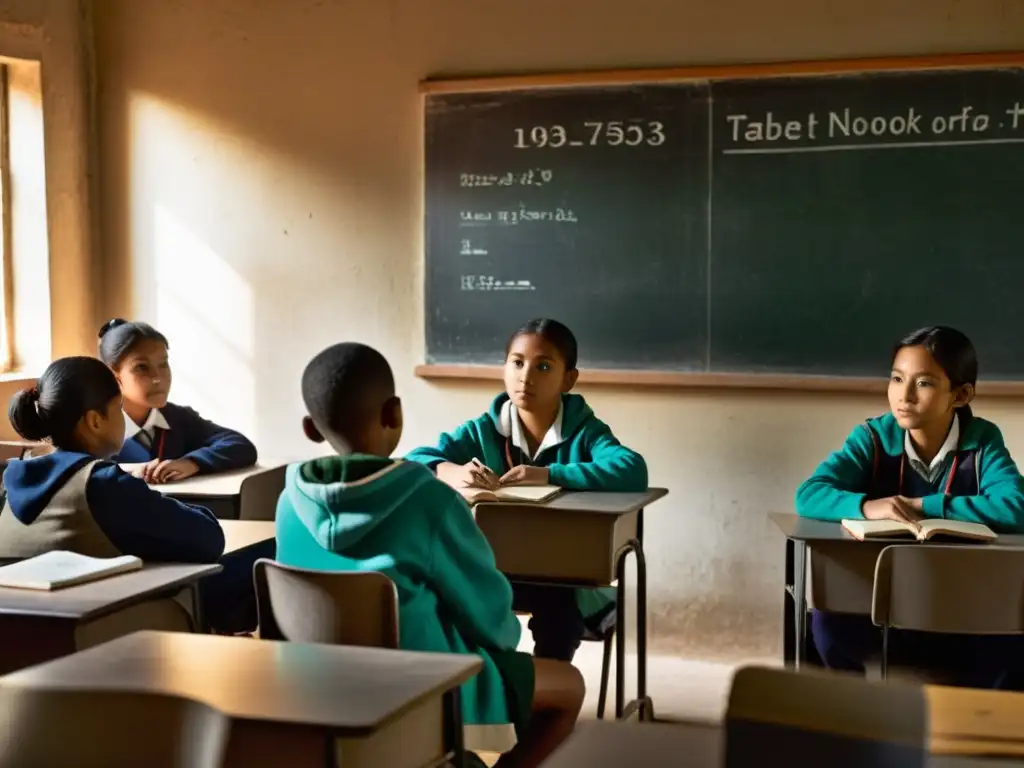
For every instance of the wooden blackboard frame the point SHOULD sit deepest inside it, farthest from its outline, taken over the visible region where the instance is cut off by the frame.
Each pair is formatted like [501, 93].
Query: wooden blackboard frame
[599, 78]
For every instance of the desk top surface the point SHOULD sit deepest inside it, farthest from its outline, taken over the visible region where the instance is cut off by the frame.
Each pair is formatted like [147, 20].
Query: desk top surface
[806, 529]
[352, 690]
[594, 502]
[96, 598]
[219, 484]
[239, 534]
[610, 745]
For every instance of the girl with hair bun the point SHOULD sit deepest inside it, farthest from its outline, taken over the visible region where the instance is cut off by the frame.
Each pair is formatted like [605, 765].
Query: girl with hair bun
[76, 498]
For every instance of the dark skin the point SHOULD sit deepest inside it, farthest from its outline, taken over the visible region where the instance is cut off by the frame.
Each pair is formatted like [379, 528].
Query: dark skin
[924, 402]
[559, 689]
[376, 434]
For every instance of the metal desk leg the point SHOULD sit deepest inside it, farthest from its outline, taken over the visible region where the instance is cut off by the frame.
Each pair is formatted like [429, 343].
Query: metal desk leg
[642, 704]
[453, 726]
[799, 601]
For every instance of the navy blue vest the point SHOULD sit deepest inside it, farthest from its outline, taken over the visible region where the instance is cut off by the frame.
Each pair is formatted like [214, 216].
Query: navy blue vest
[885, 475]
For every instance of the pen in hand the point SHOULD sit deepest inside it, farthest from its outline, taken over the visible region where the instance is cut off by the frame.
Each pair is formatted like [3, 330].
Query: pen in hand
[484, 475]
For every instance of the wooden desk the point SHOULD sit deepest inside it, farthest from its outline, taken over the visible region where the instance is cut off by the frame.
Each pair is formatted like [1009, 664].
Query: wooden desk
[38, 626]
[966, 720]
[803, 534]
[249, 494]
[580, 539]
[611, 745]
[239, 534]
[288, 701]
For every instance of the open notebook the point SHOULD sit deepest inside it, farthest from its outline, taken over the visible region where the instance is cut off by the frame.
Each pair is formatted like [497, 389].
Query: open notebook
[530, 494]
[58, 569]
[893, 529]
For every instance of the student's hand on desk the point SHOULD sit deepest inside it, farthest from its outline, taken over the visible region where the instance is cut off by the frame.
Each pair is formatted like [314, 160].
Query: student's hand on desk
[167, 471]
[472, 474]
[524, 475]
[898, 508]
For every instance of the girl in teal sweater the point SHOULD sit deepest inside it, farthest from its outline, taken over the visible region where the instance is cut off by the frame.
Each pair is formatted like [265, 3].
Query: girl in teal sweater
[536, 433]
[929, 458]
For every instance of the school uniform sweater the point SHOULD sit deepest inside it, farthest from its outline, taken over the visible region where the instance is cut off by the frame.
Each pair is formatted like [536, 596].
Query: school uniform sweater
[358, 513]
[579, 451]
[72, 501]
[877, 461]
[188, 436]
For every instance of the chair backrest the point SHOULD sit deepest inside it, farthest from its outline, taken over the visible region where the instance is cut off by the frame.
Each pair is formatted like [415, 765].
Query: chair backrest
[840, 576]
[973, 590]
[258, 494]
[113, 729]
[823, 719]
[336, 607]
[22, 449]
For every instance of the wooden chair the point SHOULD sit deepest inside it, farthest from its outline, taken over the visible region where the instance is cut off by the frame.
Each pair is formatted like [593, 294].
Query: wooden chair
[338, 607]
[817, 718]
[258, 494]
[348, 608]
[944, 589]
[53, 728]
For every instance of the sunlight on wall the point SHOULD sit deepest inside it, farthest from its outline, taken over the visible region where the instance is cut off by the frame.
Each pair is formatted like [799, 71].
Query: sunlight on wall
[207, 311]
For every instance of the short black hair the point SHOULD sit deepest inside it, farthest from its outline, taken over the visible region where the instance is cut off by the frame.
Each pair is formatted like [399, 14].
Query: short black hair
[68, 389]
[118, 337]
[345, 385]
[554, 333]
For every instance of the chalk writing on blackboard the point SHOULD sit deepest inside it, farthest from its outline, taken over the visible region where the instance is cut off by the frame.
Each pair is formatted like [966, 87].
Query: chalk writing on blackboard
[491, 283]
[841, 129]
[520, 215]
[616, 133]
[468, 249]
[534, 177]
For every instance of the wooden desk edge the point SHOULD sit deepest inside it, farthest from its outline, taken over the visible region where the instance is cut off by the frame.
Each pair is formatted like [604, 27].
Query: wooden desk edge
[205, 569]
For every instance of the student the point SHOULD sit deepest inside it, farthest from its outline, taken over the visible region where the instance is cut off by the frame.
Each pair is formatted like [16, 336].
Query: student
[929, 458]
[360, 510]
[172, 441]
[76, 499]
[536, 433]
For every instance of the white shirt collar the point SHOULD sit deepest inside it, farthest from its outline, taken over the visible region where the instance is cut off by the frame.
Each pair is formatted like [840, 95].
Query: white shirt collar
[928, 471]
[154, 420]
[512, 426]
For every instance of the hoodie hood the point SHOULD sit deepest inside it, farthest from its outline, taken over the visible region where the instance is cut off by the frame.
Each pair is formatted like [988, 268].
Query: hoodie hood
[575, 413]
[32, 483]
[342, 499]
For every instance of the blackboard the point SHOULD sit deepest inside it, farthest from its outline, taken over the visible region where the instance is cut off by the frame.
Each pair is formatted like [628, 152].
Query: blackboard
[794, 224]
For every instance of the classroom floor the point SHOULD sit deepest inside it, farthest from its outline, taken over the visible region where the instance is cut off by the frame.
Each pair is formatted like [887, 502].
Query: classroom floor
[682, 689]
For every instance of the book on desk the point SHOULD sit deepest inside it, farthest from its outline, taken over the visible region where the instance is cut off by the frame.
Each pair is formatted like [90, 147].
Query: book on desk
[529, 494]
[927, 529]
[60, 569]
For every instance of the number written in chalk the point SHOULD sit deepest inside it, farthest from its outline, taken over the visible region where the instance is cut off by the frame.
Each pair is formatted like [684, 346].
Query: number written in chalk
[591, 134]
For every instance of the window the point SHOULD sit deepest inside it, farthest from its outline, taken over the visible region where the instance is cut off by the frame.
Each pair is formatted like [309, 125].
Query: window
[6, 281]
[25, 332]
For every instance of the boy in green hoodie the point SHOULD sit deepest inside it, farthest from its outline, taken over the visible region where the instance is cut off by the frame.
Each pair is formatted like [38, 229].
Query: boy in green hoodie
[929, 458]
[536, 433]
[361, 510]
